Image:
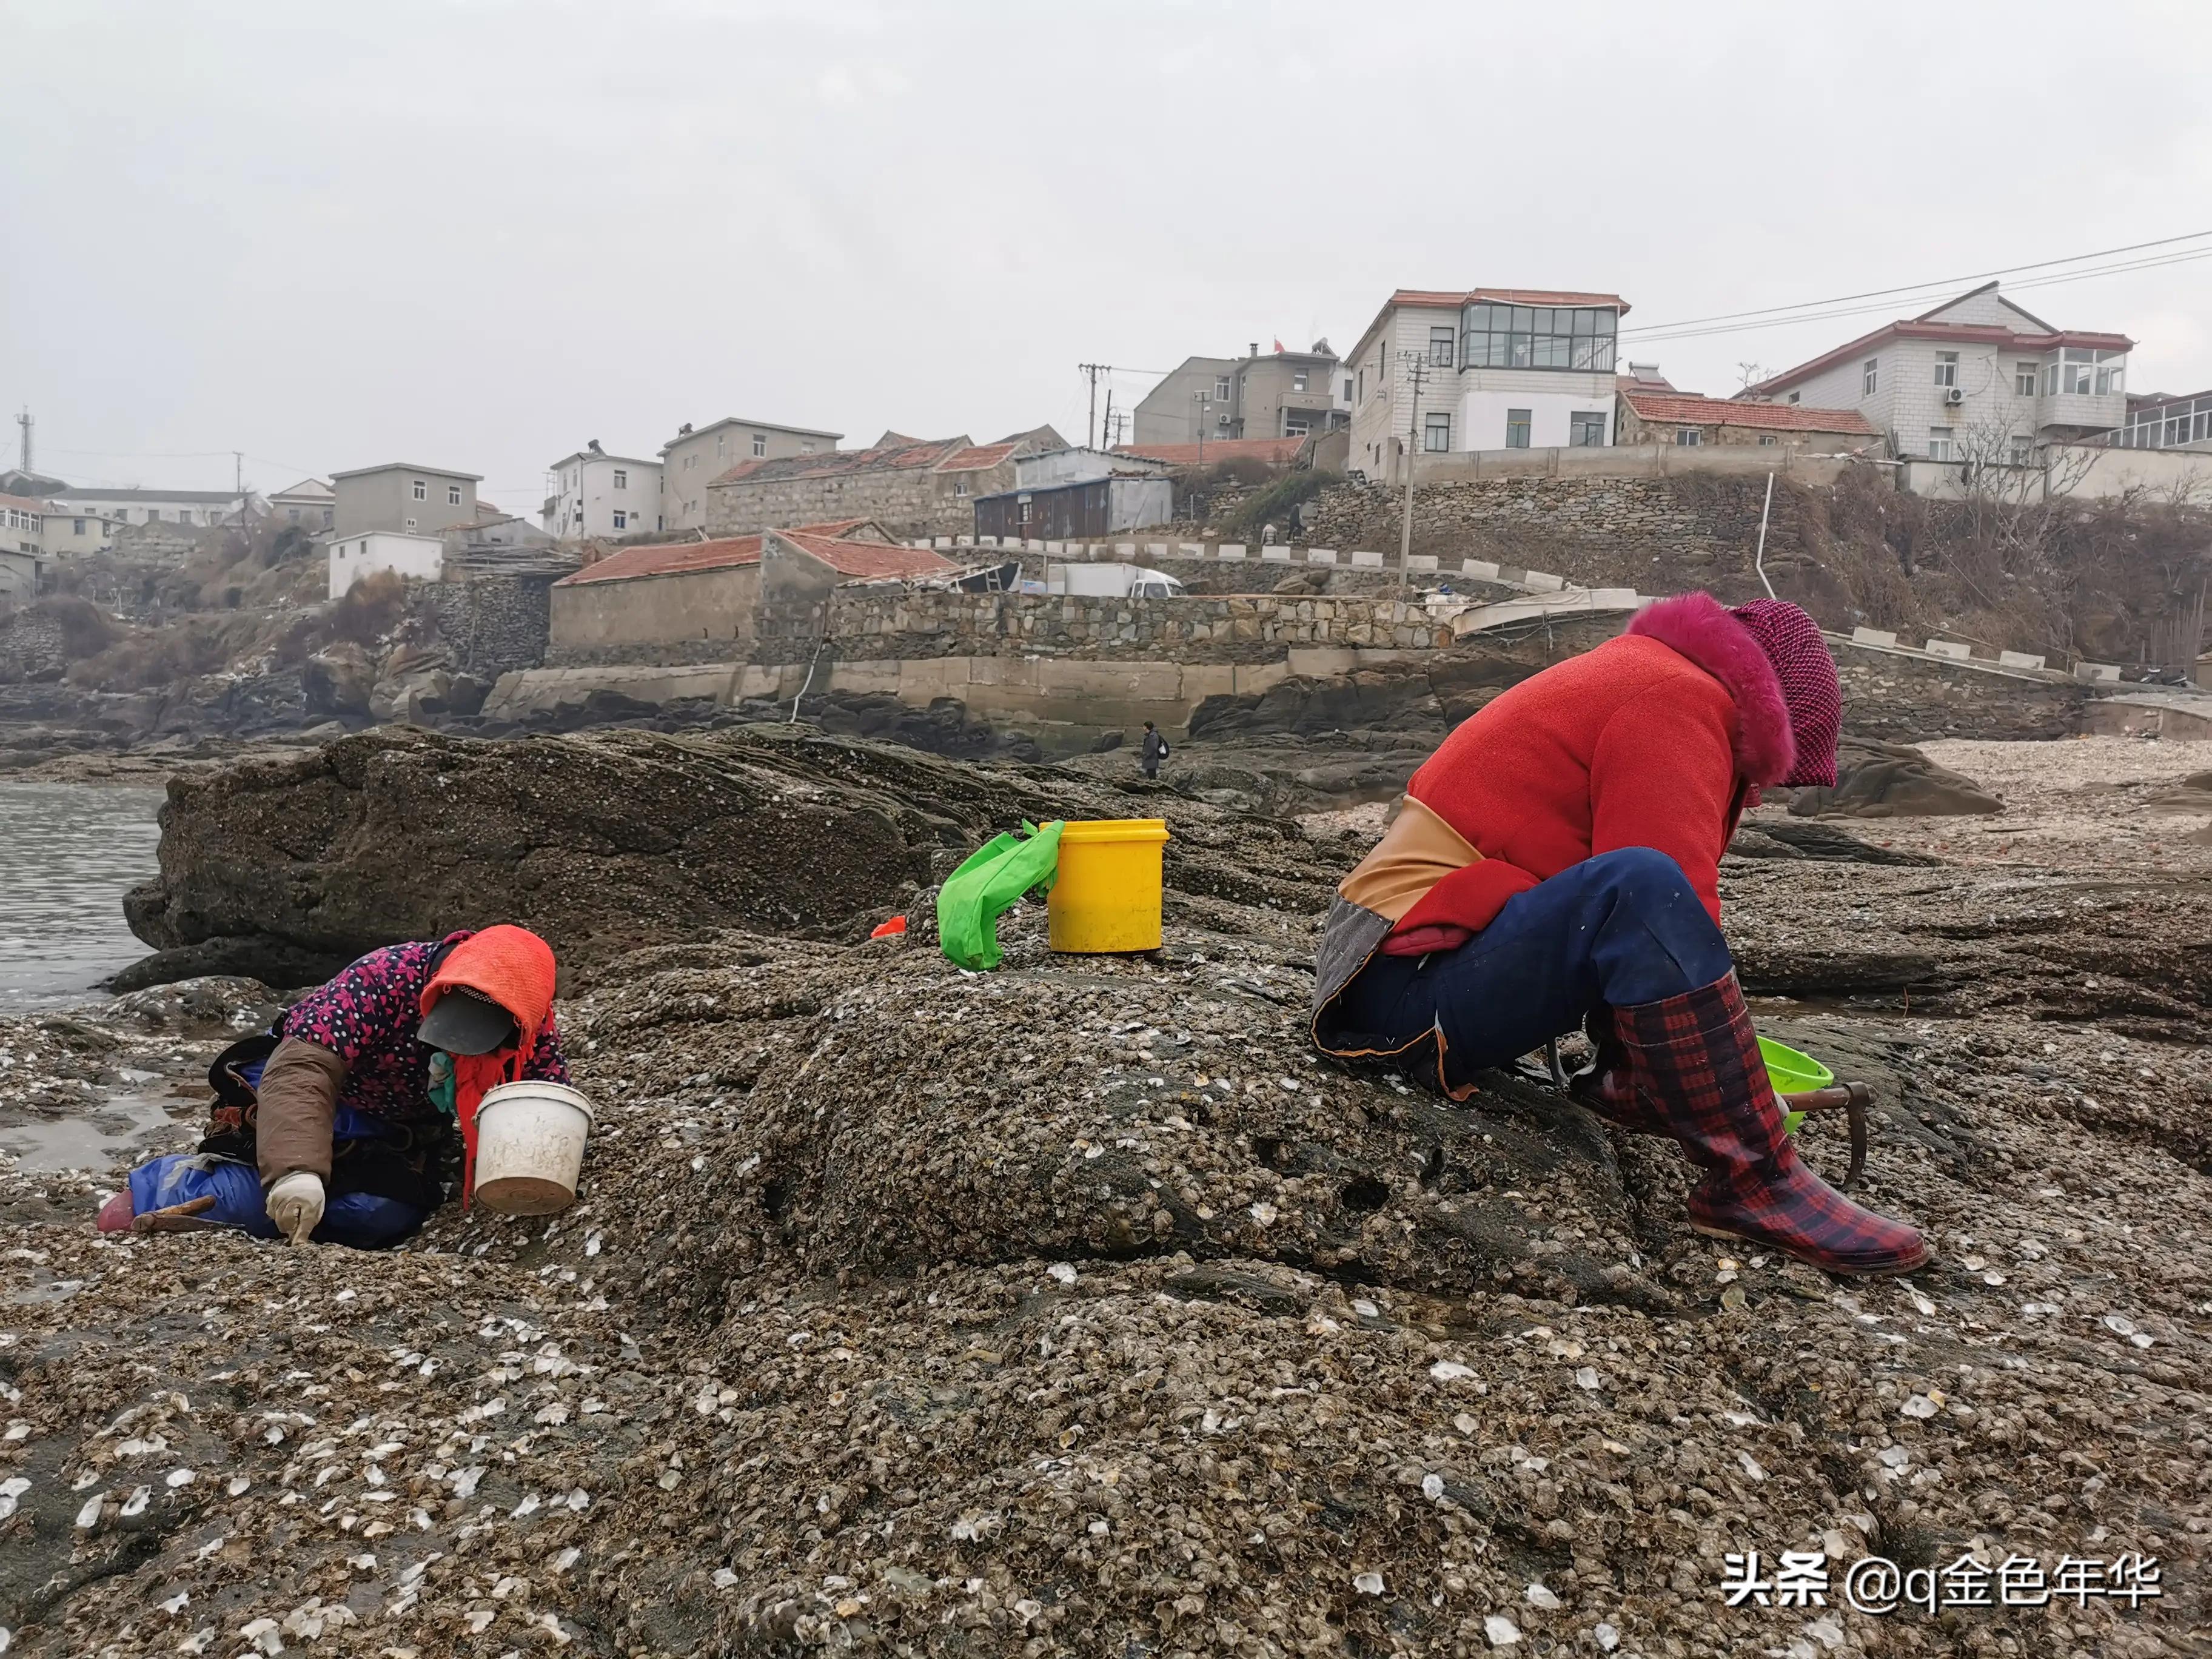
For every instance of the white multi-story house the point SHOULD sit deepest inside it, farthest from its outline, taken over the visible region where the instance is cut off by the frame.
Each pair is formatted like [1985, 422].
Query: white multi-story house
[695, 457]
[1978, 379]
[1495, 368]
[23, 549]
[596, 493]
[186, 506]
[22, 524]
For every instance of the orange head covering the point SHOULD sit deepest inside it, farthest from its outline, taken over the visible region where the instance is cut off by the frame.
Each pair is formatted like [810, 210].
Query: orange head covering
[515, 968]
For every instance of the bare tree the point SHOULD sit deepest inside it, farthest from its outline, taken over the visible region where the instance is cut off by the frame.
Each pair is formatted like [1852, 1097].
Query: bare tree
[1749, 376]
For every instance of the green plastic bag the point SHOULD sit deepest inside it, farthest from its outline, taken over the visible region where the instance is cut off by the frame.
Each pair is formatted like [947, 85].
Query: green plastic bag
[987, 885]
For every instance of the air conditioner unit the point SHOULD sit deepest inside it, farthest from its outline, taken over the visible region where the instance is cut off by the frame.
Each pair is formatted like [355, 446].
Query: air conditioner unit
[1955, 396]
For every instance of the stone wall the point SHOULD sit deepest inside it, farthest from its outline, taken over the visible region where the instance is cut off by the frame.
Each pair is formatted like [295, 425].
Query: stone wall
[661, 653]
[1658, 534]
[692, 616]
[1900, 699]
[871, 624]
[494, 623]
[32, 646]
[905, 500]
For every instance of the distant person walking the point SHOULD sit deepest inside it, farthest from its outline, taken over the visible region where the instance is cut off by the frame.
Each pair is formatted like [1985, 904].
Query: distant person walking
[1153, 751]
[1298, 521]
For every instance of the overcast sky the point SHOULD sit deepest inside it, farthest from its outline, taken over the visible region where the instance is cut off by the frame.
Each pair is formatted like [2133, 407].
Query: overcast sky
[477, 233]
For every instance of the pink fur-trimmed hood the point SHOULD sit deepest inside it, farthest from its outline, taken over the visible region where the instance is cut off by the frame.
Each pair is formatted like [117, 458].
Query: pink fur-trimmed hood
[1700, 627]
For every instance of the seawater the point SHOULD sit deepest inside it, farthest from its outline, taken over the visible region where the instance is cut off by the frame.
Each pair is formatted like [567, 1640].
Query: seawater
[69, 852]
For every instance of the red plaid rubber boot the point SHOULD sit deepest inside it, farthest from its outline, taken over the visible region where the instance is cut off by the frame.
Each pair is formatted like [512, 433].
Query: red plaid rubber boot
[1695, 1056]
[1608, 1086]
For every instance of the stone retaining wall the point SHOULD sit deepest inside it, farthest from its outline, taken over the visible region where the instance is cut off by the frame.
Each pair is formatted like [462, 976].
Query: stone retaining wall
[663, 653]
[32, 646]
[1660, 534]
[1909, 699]
[494, 623]
[866, 624]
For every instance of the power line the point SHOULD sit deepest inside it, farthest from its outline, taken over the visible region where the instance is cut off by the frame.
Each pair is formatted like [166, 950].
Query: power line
[1914, 288]
[2059, 279]
[148, 454]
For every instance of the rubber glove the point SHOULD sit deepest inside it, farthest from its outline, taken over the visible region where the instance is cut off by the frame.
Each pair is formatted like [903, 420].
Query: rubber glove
[296, 1204]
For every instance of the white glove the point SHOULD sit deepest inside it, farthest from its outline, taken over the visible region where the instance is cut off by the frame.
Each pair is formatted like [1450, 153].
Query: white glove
[296, 1204]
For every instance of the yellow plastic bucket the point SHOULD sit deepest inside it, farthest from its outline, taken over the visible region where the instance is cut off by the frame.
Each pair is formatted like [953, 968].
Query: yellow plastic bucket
[1107, 894]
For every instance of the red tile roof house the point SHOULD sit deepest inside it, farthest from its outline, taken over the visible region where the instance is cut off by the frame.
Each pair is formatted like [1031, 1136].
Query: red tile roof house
[912, 487]
[702, 601]
[1980, 377]
[1678, 417]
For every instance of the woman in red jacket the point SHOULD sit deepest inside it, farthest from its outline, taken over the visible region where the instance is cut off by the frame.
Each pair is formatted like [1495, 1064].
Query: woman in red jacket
[1556, 862]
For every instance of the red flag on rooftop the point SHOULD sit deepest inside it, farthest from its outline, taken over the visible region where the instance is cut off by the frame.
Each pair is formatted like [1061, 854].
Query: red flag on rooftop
[1279, 345]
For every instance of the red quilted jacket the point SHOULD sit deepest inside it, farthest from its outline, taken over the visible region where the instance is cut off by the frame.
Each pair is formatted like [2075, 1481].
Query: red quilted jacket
[1654, 739]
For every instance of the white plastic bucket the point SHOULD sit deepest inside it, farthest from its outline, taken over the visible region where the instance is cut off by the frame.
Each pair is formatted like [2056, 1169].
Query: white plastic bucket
[529, 1148]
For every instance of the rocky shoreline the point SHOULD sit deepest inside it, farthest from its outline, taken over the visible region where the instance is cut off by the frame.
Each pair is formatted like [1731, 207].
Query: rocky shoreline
[1075, 1309]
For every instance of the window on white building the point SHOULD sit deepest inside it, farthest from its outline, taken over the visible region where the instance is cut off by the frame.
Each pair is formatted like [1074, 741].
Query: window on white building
[622, 479]
[452, 495]
[1939, 443]
[622, 520]
[1539, 336]
[1586, 428]
[1221, 390]
[76, 526]
[1517, 429]
[1297, 380]
[1689, 437]
[1435, 433]
[2026, 377]
[1440, 347]
[1946, 368]
[422, 490]
[2023, 449]
[721, 441]
[2078, 369]
[1361, 395]
[1347, 389]
[760, 443]
[1870, 377]
[1792, 397]
[807, 447]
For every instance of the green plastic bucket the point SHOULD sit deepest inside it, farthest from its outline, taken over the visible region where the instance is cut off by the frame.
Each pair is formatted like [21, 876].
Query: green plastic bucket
[1792, 1072]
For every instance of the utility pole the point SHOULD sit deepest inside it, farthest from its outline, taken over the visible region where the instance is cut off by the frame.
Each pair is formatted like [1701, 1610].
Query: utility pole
[1418, 367]
[238, 485]
[1107, 432]
[1090, 373]
[1204, 402]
